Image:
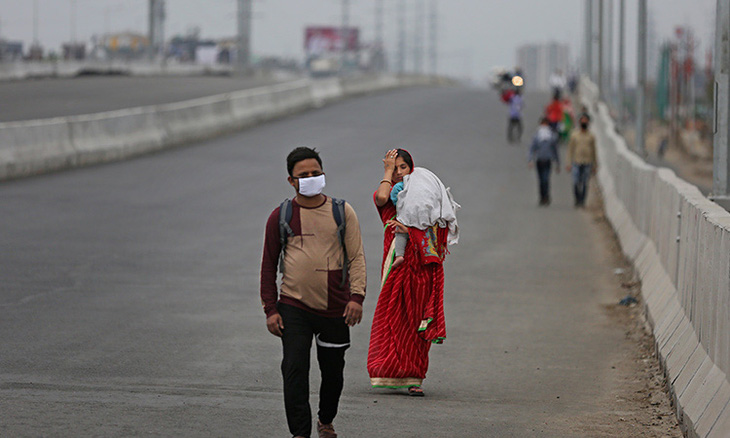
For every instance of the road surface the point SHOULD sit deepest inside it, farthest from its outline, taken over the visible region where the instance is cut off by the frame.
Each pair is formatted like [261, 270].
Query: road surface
[45, 98]
[129, 297]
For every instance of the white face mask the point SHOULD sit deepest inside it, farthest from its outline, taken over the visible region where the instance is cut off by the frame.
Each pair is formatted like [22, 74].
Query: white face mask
[311, 186]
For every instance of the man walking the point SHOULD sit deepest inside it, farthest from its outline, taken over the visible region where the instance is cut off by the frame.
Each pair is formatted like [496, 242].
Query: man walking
[322, 289]
[515, 117]
[543, 151]
[581, 159]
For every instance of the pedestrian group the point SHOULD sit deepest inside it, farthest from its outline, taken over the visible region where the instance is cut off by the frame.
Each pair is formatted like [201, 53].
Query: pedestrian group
[313, 241]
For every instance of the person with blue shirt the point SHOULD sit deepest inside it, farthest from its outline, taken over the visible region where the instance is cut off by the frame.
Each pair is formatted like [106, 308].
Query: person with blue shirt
[543, 151]
[516, 105]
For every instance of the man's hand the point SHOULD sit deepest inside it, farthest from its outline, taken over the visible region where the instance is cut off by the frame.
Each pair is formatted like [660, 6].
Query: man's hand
[275, 324]
[568, 167]
[353, 313]
[530, 164]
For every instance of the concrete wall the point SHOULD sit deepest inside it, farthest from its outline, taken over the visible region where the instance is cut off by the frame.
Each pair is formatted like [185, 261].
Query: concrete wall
[679, 242]
[69, 69]
[39, 146]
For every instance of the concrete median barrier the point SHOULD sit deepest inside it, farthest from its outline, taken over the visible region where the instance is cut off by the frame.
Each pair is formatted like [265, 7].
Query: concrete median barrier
[28, 148]
[679, 243]
[69, 69]
[32, 147]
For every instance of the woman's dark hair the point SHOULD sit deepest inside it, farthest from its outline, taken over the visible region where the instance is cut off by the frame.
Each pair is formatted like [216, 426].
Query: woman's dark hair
[406, 157]
[299, 154]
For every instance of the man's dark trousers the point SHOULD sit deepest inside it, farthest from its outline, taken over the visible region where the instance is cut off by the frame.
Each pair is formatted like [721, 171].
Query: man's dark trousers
[514, 124]
[543, 176]
[332, 337]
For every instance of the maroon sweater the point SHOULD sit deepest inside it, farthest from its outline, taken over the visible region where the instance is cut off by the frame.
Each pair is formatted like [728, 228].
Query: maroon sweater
[313, 262]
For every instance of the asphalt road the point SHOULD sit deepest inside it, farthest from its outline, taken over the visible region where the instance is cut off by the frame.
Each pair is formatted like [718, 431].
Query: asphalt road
[45, 98]
[129, 291]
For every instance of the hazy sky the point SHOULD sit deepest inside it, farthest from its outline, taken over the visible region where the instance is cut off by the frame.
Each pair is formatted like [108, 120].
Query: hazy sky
[474, 35]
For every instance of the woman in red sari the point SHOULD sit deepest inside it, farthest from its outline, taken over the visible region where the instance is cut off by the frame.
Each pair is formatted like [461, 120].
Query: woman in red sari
[409, 316]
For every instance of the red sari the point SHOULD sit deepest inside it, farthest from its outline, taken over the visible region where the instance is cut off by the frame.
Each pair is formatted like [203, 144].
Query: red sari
[409, 316]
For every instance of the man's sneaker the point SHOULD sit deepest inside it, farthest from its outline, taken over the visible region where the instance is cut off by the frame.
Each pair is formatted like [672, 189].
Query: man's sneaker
[326, 430]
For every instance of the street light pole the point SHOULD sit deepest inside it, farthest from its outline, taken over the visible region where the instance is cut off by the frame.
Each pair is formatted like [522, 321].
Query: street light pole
[418, 37]
[621, 60]
[609, 53]
[243, 41]
[73, 23]
[721, 159]
[344, 32]
[589, 38]
[434, 37]
[35, 23]
[402, 37]
[601, 38]
[641, 82]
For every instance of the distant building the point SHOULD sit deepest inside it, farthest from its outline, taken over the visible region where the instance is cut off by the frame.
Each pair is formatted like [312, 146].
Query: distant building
[11, 50]
[538, 61]
[125, 45]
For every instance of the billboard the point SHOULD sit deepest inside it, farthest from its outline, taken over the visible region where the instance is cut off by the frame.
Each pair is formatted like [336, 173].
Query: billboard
[327, 39]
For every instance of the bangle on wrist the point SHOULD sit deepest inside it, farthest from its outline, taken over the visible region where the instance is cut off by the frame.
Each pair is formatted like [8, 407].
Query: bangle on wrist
[386, 181]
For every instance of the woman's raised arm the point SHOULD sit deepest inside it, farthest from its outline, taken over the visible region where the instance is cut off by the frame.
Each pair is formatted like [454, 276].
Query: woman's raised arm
[386, 184]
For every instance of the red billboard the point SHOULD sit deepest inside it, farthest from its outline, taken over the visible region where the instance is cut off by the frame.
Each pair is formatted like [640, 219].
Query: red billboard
[325, 39]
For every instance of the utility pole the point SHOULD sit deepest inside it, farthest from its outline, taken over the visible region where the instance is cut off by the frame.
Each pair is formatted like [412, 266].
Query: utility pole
[721, 159]
[35, 23]
[156, 33]
[641, 82]
[609, 52]
[418, 37]
[601, 38]
[434, 37]
[621, 60]
[379, 38]
[243, 40]
[379, 22]
[73, 24]
[588, 38]
[344, 33]
[402, 37]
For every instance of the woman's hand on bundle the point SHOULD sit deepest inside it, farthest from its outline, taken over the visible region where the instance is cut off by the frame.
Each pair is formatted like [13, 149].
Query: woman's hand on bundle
[397, 227]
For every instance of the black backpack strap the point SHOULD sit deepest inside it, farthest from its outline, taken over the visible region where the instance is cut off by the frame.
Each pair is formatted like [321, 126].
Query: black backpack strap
[285, 231]
[338, 211]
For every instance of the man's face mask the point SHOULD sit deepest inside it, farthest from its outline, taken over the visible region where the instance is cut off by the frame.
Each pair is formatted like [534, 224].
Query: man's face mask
[311, 186]
[584, 125]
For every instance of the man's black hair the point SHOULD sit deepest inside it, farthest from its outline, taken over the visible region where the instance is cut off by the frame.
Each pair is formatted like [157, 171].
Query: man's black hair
[299, 154]
[402, 153]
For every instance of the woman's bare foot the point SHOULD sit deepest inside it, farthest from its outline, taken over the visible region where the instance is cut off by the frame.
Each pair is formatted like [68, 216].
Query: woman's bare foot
[398, 261]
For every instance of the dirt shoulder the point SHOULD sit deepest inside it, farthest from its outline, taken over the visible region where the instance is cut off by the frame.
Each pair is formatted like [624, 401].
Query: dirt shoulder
[638, 404]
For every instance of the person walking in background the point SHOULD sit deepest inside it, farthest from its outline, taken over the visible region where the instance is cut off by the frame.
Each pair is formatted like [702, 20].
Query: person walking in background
[581, 159]
[554, 112]
[566, 124]
[516, 104]
[557, 82]
[322, 289]
[543, 151]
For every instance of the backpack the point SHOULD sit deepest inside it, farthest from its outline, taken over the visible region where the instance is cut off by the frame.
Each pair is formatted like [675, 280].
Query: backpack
[285, 231]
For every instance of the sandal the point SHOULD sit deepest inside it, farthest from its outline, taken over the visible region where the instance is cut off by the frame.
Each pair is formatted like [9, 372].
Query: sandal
[415, 391]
